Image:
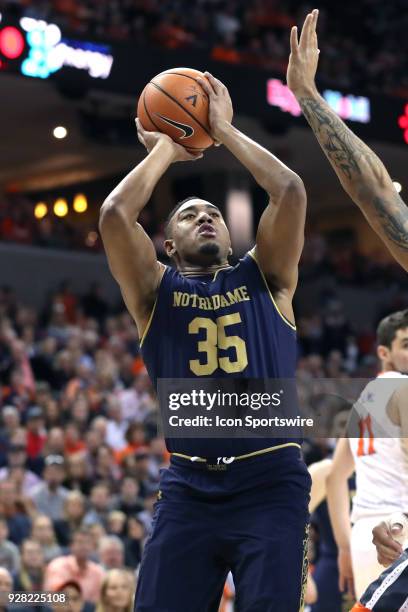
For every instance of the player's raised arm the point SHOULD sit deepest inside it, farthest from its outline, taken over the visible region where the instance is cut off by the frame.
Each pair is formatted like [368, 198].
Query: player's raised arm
[131, 254]
[280, 235]
[338, 501]
[361, 173]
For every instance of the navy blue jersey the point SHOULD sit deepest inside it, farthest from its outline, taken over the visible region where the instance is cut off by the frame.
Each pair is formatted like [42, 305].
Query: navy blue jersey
[219, 326]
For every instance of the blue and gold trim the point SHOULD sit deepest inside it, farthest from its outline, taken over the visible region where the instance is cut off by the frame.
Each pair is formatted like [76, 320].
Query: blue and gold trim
[263, 451]
[252, 253]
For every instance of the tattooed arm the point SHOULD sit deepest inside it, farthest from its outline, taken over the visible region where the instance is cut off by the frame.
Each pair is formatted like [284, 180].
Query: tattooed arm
[361, 173]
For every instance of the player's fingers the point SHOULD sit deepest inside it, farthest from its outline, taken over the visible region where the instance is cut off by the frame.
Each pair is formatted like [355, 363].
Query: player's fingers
[206, 86]
[294, 43]
[315, 17]
[212, 80]
[139, 126]
[342, 586]
[304, 36]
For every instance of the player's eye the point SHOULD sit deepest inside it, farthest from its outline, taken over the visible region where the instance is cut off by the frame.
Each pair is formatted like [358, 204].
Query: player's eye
[189, 216]
[214, 214]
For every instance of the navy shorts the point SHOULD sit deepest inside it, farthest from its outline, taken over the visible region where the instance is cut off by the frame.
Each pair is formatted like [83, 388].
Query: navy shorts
[389, 593]
[249, 517]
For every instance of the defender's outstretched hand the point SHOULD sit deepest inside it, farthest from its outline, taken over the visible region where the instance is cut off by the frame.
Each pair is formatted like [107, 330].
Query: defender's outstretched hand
[151, 139]
[304, 56]
[220, 109]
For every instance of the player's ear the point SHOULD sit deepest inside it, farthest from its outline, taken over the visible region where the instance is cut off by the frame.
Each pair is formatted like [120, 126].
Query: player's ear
[230, 252]
[170, 247]
[383, 352]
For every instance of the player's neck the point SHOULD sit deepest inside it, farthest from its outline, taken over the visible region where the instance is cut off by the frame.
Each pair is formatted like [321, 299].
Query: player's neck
[193, 270]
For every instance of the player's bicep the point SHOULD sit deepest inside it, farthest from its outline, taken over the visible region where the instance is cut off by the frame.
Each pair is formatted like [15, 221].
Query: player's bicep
[132, 260]
[280, 237]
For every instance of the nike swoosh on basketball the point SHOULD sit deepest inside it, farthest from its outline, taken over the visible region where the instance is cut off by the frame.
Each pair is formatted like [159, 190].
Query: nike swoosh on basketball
[186, 129]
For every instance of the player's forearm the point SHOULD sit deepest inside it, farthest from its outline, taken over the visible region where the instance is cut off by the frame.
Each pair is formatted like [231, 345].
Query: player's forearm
[135, 190]
[362, 174]
[339, 509]
[268, 171]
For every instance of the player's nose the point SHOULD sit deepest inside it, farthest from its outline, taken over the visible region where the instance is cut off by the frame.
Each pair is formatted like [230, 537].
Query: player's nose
[204, 218]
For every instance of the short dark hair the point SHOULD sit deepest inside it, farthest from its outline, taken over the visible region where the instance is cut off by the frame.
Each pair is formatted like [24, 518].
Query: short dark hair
[173, 212]
[388, 327]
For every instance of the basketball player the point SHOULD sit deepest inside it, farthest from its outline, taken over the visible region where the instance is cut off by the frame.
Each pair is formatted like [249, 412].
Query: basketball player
[247, 513]
[360, 171]
[378, 457]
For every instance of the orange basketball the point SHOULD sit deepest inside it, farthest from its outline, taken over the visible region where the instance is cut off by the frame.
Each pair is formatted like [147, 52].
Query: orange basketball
[175, 104]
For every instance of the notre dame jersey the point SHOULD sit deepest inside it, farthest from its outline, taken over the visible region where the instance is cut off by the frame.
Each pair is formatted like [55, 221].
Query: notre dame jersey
[221, 325]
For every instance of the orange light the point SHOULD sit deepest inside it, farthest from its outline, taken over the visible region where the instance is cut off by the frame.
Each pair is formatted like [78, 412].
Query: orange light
[60, 207]
[80, 203]
[40, 210]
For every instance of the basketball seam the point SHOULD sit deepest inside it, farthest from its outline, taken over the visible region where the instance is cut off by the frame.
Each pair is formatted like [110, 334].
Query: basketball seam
[187, 77]
[181, 106]
[158, 129]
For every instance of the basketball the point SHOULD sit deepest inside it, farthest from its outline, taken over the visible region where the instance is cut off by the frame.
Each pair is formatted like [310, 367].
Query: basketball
[174, 103]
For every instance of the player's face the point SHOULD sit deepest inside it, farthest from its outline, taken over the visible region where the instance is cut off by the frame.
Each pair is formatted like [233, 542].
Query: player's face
[398, 354]
[199, 234]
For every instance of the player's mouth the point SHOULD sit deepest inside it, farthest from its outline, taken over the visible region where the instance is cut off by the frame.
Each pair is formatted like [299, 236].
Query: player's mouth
[207, 230]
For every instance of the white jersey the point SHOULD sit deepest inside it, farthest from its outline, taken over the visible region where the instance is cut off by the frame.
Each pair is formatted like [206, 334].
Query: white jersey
[381, 462]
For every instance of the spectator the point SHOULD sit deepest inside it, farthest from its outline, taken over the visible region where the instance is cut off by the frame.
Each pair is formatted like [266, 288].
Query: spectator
[13, 507]
[55, 444]
[49, 496]
[116, 523]
[128, 500]
[116, 427]
[73, 515]
[31, 573]
[6, 585]
[42, 531]
[111, 552]
[9, 553]
[78, 473]
[136, 535]
[74, 598]
[10, 422]
[77, 567]
[17, 458]
[99, 505]
[36, 435]
[117, 592]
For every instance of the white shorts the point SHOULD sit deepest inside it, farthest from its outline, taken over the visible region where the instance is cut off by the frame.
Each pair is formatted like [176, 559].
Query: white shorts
[366, 568]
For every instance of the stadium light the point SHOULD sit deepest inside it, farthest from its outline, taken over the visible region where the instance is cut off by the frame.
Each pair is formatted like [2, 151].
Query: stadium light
[80, 203]
[60, 132]
[60, 207]
[91, 239]
[40, 210]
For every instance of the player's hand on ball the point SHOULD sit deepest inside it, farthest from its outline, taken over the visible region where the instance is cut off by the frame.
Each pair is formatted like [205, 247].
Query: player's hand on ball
[151, 139]
[346, 577]
[220, 105]
[304, 57]
[384, 539]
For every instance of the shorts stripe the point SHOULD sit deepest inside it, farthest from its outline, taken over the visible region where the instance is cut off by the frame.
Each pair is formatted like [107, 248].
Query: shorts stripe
[385, 584]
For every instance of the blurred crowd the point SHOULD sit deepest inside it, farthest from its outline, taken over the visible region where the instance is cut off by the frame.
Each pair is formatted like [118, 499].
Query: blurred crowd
[363, 43]
[80, 452]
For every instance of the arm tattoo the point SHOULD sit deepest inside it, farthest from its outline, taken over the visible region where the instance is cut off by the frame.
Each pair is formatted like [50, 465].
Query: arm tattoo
[393, 218]
[359, 168]
[343, 148]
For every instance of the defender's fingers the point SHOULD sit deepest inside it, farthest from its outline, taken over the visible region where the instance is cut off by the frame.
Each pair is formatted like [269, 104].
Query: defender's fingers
[294, 43]
[305, 34]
